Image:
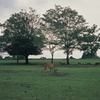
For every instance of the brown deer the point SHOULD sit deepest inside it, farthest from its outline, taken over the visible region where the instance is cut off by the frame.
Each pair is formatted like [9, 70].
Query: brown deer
[51, 66]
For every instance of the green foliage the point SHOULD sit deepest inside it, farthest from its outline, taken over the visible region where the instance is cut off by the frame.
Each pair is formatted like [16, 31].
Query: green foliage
[1, 57]
[22, 45]
[2, 44]
[51, 41]
[67, 25]
[22, 33]
[89, 41]
[62, 27]
[87, 55]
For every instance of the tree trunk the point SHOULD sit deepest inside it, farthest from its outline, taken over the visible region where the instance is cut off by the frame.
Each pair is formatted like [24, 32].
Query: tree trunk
[17, 59]
[91, 53]
[52, 57]
[67, 58]
[26, 59]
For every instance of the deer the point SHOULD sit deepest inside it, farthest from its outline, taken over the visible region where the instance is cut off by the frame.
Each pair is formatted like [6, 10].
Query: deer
[51, 66]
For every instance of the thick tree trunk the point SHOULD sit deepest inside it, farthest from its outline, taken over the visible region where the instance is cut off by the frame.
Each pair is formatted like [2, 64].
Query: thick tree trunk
[67, 58]
[26, 59]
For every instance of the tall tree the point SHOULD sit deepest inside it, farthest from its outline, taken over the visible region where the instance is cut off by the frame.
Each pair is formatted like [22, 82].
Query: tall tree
[90, 41]
[51, 40]
[23, 34]
[67, 25]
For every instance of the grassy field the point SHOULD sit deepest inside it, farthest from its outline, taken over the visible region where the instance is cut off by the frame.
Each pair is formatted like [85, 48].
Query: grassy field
[29, 82]
[72, 61]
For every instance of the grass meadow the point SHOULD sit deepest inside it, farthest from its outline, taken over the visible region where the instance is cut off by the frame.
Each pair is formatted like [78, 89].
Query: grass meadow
[30, 82]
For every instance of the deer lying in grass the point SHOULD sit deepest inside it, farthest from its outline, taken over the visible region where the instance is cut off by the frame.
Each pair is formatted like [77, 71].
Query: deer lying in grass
[51, 66]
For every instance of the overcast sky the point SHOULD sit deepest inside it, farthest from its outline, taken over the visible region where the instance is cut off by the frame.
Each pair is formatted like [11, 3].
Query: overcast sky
[90, 9]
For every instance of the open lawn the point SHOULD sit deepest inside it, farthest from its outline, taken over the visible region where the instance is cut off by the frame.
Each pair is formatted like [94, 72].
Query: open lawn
[72, 61]
[29, 82]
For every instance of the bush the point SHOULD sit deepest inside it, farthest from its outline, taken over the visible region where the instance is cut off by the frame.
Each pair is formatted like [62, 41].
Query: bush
[43, 58]
[8, 57]
[0, 57]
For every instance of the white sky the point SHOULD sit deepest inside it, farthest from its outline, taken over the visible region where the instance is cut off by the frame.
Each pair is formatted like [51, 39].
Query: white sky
[90, 9]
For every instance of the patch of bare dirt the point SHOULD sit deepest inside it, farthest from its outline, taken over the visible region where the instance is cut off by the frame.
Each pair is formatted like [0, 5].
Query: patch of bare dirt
[14, 71]
[36, 71]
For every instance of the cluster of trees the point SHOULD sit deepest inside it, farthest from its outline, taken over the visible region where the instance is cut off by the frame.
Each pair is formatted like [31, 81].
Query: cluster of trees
[26, 33]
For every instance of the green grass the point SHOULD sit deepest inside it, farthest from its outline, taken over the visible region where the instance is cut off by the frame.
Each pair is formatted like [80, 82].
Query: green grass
[72, 61]
[28, 82]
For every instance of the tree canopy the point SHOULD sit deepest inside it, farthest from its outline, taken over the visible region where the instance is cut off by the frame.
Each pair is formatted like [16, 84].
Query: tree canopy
[22, 33]
[89, 41]
[67, 24]
[51, 41]
[26, 33]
